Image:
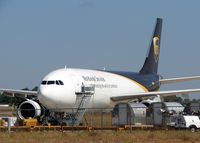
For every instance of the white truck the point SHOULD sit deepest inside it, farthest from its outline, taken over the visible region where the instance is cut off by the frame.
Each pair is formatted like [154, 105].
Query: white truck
[188, 122]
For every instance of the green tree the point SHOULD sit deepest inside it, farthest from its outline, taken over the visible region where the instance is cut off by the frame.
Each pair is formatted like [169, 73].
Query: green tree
[179, 100]
[5, 99]
[35, 88]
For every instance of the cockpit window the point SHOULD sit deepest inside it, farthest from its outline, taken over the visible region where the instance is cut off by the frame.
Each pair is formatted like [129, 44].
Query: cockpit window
[61, 83]
[50, 82]
[44, 82]
[57, 82]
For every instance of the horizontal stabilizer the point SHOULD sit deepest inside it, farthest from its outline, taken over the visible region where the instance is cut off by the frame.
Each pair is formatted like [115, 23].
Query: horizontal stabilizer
[180, 79]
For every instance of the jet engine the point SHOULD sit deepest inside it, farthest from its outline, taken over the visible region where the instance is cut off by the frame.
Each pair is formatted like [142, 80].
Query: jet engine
[147, 102]
[29, 109]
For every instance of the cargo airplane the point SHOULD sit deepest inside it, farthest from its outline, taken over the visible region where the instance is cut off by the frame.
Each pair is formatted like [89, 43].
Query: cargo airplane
[83, 88]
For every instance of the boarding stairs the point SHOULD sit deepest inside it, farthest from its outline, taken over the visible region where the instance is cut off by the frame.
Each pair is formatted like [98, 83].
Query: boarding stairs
[82, 101]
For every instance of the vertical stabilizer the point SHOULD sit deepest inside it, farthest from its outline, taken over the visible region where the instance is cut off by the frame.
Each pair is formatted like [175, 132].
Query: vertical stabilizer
[151, 62]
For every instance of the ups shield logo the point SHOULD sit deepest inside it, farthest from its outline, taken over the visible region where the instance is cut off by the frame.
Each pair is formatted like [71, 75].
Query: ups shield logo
[156, 48]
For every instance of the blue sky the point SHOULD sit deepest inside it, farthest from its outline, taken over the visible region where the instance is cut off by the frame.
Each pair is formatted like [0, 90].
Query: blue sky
[39, 36]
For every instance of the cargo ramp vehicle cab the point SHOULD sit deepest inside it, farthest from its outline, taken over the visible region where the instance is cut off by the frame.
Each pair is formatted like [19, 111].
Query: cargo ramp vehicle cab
[187, 122]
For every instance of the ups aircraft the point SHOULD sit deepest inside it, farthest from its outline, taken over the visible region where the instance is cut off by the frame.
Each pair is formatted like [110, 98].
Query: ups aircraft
[68, 88]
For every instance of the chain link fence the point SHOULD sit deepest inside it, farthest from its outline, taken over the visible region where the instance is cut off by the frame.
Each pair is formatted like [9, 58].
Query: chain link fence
[122, 114]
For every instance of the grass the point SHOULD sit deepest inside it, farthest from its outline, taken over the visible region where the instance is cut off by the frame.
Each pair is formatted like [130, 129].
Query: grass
[97, 119]
[136, 136]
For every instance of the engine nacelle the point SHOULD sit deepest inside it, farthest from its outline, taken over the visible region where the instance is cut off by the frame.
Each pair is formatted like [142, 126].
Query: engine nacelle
[29, 109]
[152, 100]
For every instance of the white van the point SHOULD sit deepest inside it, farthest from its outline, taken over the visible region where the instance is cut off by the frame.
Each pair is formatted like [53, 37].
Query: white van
[187, 122]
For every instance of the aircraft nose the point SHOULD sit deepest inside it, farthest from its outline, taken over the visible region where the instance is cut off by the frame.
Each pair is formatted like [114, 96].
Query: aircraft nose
[45, 95]
[56, 96]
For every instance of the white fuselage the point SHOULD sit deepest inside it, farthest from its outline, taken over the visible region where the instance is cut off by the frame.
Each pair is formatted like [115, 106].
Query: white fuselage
[55, 95]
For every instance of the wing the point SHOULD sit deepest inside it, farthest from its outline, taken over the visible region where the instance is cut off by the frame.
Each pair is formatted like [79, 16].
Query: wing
[180, 79]
[21, 93]
[149, 94]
